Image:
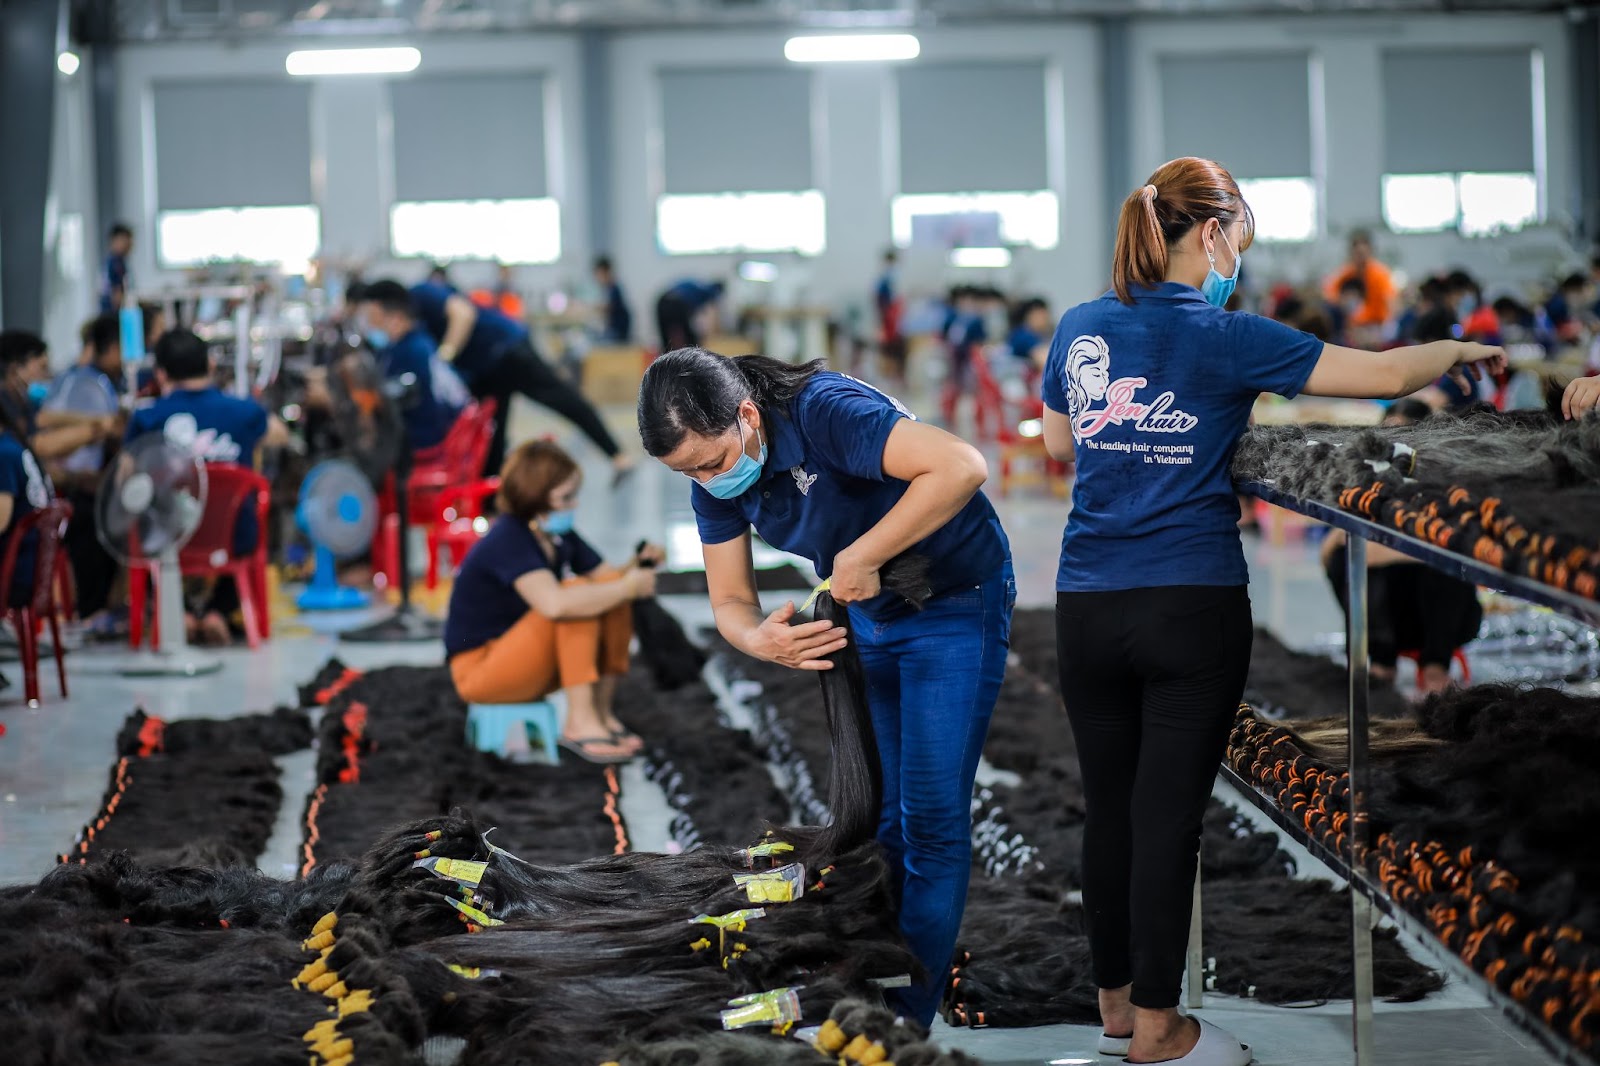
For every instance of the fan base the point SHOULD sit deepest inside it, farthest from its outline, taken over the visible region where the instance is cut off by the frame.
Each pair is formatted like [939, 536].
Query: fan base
[182, 663]
[404, 625]
[337, 598]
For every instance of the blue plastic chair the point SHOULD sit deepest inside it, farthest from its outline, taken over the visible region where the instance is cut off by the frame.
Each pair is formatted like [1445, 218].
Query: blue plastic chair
[488, 724]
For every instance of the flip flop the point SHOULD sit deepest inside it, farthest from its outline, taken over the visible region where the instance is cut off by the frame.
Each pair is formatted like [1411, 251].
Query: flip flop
[1115, 1047]
[580, 748]
[624, 736]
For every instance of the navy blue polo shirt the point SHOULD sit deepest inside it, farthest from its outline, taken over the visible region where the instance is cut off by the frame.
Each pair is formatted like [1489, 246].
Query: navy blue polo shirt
[29, 488]
[1022, 341]
[493, 334]
[112, 278]
[696, 295]
[440, 392]
[1159, 393]
[485, 603]
[619, 319]
[215, 427]
[824, 486]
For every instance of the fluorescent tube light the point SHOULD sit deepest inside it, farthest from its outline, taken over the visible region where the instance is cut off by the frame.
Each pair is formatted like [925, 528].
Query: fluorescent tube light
[755, 270]
[67, 63]
[988, 258]
[852, 48]
[316, 62]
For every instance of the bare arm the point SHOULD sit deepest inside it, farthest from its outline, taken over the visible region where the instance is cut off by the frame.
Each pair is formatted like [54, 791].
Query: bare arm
[943, 472]
[556, 601]
[1058, 436]
[460, 316]
[8, 504]
[48, 444]
[1399, 371]
[731, 581]
[277, 433]
[48, 419]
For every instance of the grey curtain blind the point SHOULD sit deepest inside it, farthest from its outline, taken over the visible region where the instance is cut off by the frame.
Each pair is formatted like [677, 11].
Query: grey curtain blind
[232, 144]
[736, 130]
[1457, 110]
[972, 127]
[469, 137]
[1251, 113]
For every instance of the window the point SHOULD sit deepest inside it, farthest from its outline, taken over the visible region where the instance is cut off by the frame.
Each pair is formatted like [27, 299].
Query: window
[284, 235]
[938, 219]
[507, 231]
[742, 222]
[1474, 205]
[736, 163]
[1463, 135]
[1285, 208]
[1274, 173]
[475, 189]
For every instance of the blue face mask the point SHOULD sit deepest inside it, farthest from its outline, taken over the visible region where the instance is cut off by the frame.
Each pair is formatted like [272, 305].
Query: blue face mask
[377, 339]
[1216, 288]
[740, 476]
[558, 523]
[37, 391]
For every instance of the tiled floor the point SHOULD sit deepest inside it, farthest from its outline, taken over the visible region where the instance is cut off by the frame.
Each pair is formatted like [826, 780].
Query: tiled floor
[54, 761]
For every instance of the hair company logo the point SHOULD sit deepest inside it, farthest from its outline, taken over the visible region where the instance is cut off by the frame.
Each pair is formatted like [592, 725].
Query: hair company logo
[1089, 382]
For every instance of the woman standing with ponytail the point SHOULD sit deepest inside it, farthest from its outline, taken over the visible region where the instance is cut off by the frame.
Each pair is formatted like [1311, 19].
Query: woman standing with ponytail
[1149, 388]
[831, 469]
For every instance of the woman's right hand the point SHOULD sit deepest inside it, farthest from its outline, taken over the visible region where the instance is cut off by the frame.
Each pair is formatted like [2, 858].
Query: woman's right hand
[1472, 360]
[800, 647]
[641, 582]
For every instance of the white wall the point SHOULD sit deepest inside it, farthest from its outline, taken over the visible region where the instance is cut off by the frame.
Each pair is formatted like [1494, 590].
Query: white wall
[857, 165]
[1349, 52]
[352, 162]
[855, 131]
[71, 238]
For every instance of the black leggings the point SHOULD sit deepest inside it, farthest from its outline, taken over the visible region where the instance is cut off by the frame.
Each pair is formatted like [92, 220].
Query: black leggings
[1151, 679]
[521, 370]
[1412, 608]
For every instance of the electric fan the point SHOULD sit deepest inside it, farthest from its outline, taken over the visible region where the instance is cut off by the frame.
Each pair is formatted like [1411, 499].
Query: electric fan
[150, 502]
[339, 513]
[367, 410]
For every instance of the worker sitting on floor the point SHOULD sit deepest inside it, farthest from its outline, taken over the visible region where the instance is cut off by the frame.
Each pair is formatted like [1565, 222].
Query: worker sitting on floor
[534, 609]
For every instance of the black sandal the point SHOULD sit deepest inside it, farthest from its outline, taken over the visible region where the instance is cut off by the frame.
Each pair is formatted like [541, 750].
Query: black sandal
[580, 748]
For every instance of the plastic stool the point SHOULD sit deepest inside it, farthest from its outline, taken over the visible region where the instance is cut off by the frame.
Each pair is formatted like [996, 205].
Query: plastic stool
[488, 723]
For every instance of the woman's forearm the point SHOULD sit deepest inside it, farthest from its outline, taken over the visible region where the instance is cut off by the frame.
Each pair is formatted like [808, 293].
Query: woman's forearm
[1420, 365]
[737, 621]
[930, 501]
[590, 599]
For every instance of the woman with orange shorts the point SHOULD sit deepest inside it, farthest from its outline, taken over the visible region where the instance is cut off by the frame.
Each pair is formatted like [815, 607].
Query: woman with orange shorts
[535, 609]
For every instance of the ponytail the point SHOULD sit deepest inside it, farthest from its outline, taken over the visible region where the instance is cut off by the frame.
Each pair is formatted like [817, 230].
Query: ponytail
[695, 391]
[1179, 195]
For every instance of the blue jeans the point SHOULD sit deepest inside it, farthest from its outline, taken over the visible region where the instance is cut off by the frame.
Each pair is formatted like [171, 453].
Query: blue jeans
[932, 681]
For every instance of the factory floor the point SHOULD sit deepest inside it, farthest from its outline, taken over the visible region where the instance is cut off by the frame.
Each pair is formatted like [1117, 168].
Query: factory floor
[54, 759]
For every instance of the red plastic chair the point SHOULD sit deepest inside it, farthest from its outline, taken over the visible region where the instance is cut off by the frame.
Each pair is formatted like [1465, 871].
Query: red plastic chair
[50, 522]
[209, 553]
[457, 527]
[436, 474]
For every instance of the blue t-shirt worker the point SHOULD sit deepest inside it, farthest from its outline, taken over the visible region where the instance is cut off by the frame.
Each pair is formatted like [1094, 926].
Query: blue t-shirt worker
[1149, 388]
[403, 347]
[831, 469]
[114, 275]
[24, 489]
[495, 358]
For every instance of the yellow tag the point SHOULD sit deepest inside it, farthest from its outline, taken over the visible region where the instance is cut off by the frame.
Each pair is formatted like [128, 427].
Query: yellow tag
[775, 1007]
[827, 583]
[765, 851]
[783, 885]
[463, 871]
[474, 913]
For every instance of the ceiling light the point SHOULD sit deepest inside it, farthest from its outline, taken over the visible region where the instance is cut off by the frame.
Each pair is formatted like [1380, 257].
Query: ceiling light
[755, 270]
[852, 48]
[986, 258]
[328, 61]
[67, 63]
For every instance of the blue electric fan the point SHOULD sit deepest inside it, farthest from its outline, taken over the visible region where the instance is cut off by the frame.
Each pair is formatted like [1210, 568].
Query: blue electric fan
[339, 512]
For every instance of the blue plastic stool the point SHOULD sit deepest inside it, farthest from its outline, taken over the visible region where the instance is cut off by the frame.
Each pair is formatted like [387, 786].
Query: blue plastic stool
[487, 724]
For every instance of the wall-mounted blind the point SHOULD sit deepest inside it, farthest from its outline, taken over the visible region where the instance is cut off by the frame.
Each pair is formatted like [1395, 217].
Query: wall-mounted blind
[469, 137]
[232, 144]
[1459, 110]
[736, 130]
[972, 127]
[1251, 112]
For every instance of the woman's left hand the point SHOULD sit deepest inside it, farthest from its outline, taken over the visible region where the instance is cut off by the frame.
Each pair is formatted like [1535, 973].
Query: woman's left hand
[651, 555]
[852, 580]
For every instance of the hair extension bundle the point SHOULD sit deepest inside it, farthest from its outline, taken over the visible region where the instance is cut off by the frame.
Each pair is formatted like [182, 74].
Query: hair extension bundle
[279, 732]
[220, 804]
[1519, 490]
[674, 660]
